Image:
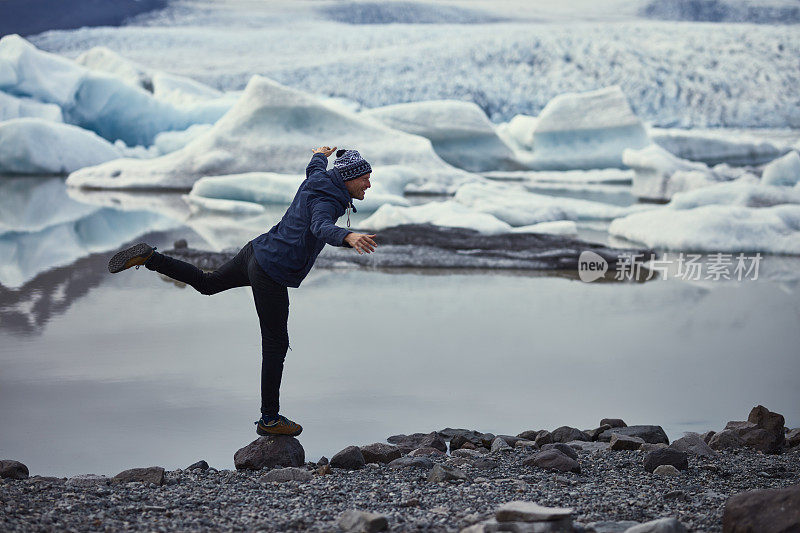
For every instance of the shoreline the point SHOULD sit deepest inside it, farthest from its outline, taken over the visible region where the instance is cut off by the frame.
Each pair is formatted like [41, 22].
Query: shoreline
[614, 474]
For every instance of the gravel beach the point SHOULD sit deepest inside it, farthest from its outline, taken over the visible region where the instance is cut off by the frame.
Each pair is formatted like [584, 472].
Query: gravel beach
[424, 490]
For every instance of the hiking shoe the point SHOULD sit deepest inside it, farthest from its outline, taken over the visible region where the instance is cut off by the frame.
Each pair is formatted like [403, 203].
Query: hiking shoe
[277, 426]
[133, 256]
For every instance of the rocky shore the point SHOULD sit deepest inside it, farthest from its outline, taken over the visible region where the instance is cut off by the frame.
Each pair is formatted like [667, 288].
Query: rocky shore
[613, 478]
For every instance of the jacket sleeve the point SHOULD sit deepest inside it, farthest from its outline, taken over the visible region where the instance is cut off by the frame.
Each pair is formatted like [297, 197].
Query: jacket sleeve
[323, 216]
[318, 163]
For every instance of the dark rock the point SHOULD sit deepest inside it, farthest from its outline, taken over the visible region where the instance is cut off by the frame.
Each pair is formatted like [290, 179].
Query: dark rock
[469, 454]
[510, 440]
[290, 473]
[693, 443]
[793, 437]
[756, 437]
[553, 460]
[151, 474]
[419, 440]
[763, 511]
[461, 439]
[350, 458]
[725, 440]
[566, 449]
[566, 434]
[613, 422]
[544, 437]
[469, 446]
[10, 469]
[380, 452]
[677, 495]
[707, 436]
[499, 444]
[323, 461]
[199, 465]
[420, 452]
[609, 526]
[411, 462]
[530, 434]
[666, 470]
[269, 452]
[440, 473]
[487, 439]
[667, 456]
[766, 419]
[353, 521]
[87, 480]
[593, 434]
[324, 470]
[484, 463]
[625, 442]
[647, 447]
[651, 434]
[662, 525]
[521, 511]
[180, 244]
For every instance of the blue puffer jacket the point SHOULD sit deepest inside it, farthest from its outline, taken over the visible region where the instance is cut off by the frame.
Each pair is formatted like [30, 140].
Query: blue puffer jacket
[288, 251]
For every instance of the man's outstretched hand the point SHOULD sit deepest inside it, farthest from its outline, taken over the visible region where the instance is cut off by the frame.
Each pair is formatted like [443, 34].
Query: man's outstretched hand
[327, 150]
[361, 242]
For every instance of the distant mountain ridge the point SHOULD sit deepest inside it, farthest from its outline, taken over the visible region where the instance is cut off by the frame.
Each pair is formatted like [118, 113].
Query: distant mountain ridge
[781, 12]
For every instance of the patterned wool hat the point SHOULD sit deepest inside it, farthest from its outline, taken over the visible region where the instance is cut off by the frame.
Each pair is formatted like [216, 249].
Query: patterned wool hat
[350, 164]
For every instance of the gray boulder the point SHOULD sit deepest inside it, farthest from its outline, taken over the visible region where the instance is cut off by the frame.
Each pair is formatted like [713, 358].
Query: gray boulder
[499, 444]
[290, 473]
[380, 452]
[651, 434]
[666, 456]
[484, 463]
[411, 462]
[529, 434]
[462, 437]
[666, 471]
[593, 434]
[662, 525]
[147, 475]
[10, 469]
[647, 447]
[269, 452]
[522, 511]
[350, 458]
[406, 443]
[625, 442]
[199, 465]
[566, 434]
[553, 460]
[566, 449]
[793, 437]
[707, 436]
[613, 422]
[609, 526]
[693, 443]
[544, 437]
[353, 521]
[440, 473]
[763, 511]
[725, 440]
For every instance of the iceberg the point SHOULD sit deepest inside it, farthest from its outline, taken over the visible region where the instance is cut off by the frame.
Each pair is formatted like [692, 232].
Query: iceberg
[518, 132]
[39, 146]
[450, 213]
[273, 128]
[97, 101]
[13, 107]
[740, 192]
[459, 131]
[715, 228]
[713, 148]
[518, 207]
[783, 171]
[172, 141]
[584, 131]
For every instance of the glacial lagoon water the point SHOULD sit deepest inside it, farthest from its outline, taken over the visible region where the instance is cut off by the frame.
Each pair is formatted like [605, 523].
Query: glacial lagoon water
[99, 373]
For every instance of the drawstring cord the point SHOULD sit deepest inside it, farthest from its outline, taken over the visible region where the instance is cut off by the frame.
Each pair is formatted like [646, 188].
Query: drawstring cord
[348, 216]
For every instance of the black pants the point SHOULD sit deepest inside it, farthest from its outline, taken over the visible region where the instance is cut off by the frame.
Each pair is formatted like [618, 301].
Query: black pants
[272, 306]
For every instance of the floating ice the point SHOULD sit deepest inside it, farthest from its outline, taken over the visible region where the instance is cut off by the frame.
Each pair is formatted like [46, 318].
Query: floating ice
[518, 132]
[584, 131]
[715, 228]
[232, 207]
[273, 128]
[172, 141]
[783, 171]
[272, 188]
[747, 193]
[453, 214]
[102, 59]
[13, 107]
[38, 146]
[518, 207]
[716, 147]
[654, 168]
[460, 132]
[103, 103]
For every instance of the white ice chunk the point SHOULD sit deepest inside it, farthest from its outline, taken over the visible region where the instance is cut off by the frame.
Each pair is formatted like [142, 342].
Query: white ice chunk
[716, 147]
[715, 228]
[653, 169]
[783, 171]
[272, 128]
[13, 107]
[171, 141]
[102, 59]
[747, 193]
[460, 132]
[181, 90]
[585, 130]
[518, 207]
[232, 207]
[273, 188]
[38, 146]
[518, 132]
[453, 214]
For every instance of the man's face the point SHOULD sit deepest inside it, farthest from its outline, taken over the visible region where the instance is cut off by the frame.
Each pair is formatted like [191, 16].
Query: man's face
[358, 186]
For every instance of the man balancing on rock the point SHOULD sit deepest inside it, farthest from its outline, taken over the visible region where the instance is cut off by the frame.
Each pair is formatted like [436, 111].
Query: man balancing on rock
[276, 260]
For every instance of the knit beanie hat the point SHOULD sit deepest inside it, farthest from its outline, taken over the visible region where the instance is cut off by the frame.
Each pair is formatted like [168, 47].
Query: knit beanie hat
[350, 164]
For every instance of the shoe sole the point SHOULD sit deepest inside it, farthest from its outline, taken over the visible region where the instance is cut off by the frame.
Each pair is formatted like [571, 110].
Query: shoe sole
[119, 262]
[265, 433]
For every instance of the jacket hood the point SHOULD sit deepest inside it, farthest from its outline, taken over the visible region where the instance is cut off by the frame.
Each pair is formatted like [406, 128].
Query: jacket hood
[331, 184]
